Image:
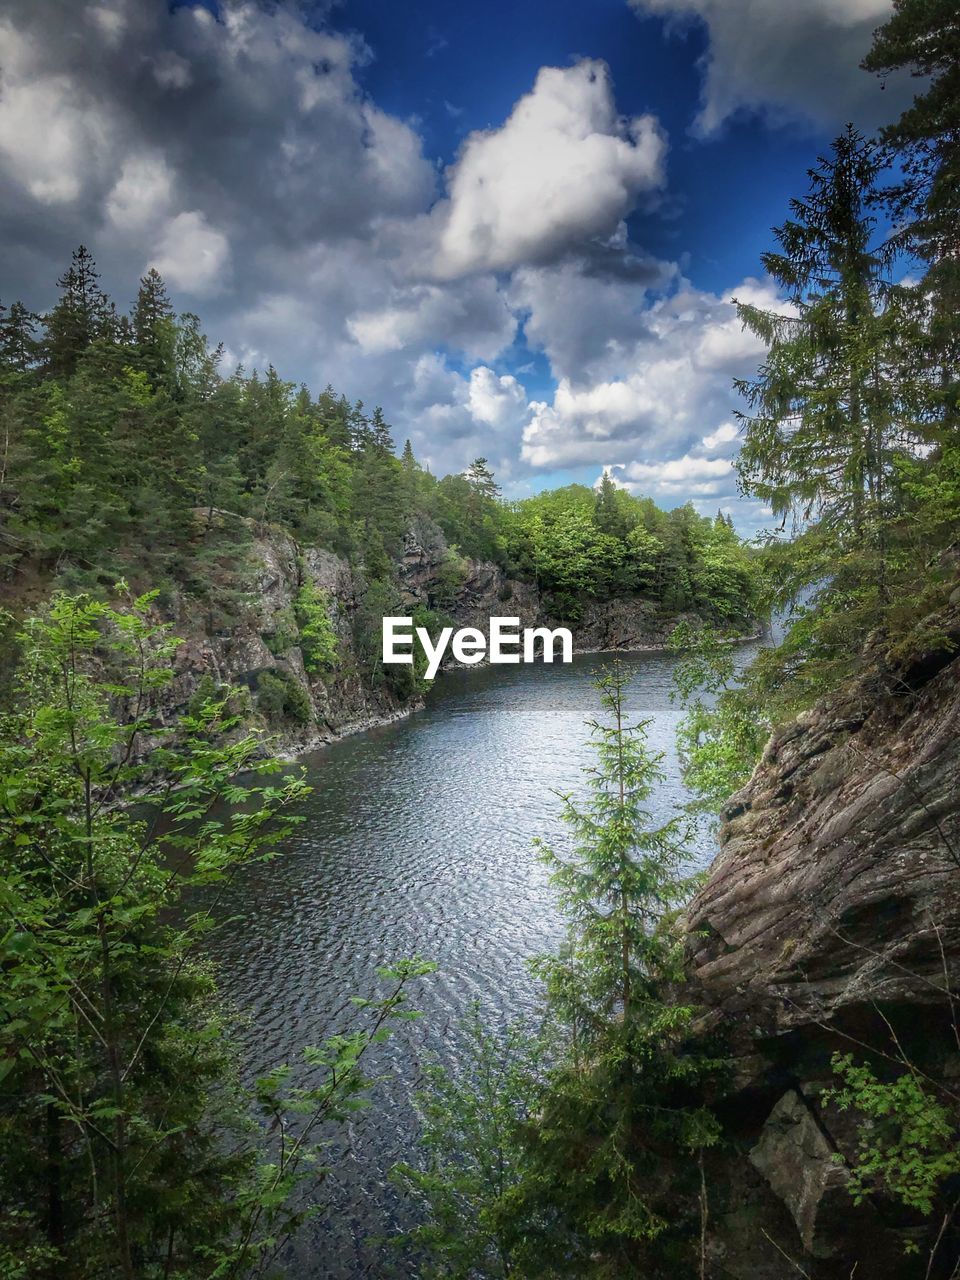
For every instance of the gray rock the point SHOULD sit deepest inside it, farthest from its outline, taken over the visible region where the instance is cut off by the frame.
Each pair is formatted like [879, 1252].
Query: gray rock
[798, 1163]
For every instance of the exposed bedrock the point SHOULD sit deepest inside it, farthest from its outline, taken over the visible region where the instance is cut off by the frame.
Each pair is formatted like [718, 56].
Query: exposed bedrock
[831, 921]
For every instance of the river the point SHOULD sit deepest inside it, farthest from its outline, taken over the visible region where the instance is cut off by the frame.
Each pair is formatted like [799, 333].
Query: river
[418, 841]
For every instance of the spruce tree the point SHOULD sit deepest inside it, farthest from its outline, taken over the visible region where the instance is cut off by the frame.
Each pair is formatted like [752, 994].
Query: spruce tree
[153, 326]
[619, 1104]
[82, 315]
[924, 36]
[18, 345]
[835, 399]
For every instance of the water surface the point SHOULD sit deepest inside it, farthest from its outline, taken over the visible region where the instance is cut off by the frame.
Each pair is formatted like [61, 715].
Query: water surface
[418, 841]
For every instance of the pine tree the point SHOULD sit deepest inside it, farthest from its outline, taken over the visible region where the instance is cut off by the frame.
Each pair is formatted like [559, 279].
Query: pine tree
[616, 1107]
[381, 438]
[834, 399]
[153, 326]
[481, 481]
[83, 314]
[358, 427]
[607, 515]
[924, 36]
[18, 346]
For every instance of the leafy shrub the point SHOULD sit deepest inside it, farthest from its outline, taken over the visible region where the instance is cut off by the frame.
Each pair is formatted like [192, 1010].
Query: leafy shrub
[318, 640]
[280, 697]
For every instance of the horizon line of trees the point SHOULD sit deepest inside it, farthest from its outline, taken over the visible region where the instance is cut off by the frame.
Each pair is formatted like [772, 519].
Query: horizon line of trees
[126, 452]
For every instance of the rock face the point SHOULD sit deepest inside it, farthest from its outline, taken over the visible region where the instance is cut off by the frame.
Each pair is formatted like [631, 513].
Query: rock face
[331, 705]
[796, 1159]
[831, 921]
[263, 639]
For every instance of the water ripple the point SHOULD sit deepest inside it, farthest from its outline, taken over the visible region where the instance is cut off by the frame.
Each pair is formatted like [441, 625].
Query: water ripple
[418, 840]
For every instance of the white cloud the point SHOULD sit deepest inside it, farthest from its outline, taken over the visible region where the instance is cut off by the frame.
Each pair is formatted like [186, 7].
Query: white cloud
[495, 400]
[724, 434]
[192, 255]
[656, 385]
[471, 316]
[679, 475]
[141, 195]
[788, 58]
[51, 138]
[562, 169]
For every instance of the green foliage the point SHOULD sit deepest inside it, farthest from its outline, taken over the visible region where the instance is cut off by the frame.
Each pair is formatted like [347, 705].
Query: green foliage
[908, 1141]
[472, 1186]
[280, 696]
[127, 1146]
[112, 1048]
[580, 545]
[724, 728]
[622, 1100]
[924, 200]
[318, 640]
[285, 634]
[852, 431]
[571, 1153]
[129, 453]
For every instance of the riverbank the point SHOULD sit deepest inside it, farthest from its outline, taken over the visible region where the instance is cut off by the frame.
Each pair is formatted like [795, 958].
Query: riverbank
[403, 713]
[301, 709]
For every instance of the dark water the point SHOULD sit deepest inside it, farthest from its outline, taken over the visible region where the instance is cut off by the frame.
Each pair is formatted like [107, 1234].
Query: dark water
[418, 842]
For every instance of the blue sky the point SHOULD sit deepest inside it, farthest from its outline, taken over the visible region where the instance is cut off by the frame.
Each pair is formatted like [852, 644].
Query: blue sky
[516, 226]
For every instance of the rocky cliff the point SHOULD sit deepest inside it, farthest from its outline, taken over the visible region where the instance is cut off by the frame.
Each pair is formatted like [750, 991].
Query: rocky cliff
[830, 921]
[263, 639]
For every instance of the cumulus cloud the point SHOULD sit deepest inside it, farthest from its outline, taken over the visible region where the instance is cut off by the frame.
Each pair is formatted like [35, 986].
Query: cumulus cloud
[724, 434]
[798, 59]
[562, 169]
[236, 152]
[680, 475]
[472, 316]
[53, 135]
[497, 401]
[142, 193]
[662, 378]
[253, 118]
[192, 255]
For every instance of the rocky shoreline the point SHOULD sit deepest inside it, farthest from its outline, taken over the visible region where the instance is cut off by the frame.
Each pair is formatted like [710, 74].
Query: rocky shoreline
[342, 702]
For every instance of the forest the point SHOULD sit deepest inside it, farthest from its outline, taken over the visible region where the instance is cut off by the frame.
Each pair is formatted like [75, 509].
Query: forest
[128, 454]
[132, 1144]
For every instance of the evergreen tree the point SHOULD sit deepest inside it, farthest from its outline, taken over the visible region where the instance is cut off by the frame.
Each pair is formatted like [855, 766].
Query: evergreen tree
[924, 36]
[18, 346]
[833, 402]
[82, 315]
[619, 1104]
[153, 326]
[481, 481]
[381, 438]
[608, 514]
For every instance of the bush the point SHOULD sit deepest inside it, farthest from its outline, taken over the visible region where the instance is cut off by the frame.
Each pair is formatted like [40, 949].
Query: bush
[318, 640]
[280, 697]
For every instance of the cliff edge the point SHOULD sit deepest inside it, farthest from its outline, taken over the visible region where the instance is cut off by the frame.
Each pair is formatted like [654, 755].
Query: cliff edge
[830, 921]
